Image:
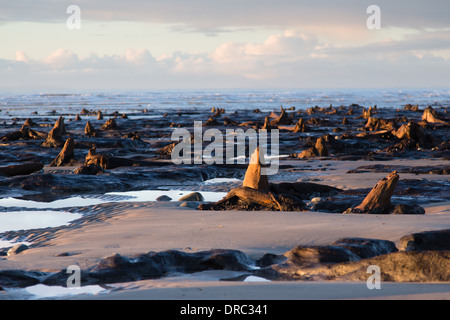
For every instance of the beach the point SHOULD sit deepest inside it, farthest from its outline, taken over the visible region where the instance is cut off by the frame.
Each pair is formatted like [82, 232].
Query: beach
[120, 222]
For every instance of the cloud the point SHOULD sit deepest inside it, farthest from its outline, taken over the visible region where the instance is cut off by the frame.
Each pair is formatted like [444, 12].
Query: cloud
[284, 60]
[216, 16]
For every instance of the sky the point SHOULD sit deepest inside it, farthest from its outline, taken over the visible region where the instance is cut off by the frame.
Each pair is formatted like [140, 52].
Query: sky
[209, 44]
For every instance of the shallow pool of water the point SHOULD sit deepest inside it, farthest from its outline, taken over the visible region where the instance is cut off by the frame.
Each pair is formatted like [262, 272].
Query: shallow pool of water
[24, 220]
[129, 196]
[41, 291]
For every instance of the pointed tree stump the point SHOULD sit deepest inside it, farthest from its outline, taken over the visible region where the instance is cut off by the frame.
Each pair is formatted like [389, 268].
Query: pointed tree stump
[89, 130]
[253, 177]
[300, 126]
[54, 138]
[378, 201]
[255, 193]
[66, 155]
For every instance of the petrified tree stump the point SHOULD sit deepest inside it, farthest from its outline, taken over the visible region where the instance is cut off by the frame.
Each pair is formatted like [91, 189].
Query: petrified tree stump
[253, 177]
[89, 130]
[283, 118]
[378, 201]
[110, 124]
[267, 125]
[255, 193]
[300, 126]
[54, 138]
[430, 115]
[245, 198]
[66, 154]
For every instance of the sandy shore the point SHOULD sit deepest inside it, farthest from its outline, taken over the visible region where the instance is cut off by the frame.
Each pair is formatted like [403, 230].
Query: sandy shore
[141, 227]
[132, 228]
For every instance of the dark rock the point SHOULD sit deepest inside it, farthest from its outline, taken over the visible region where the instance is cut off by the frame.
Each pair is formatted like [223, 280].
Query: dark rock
[425, 267]
[21, 169]
[366, 248]
[164, 198]
[427, 240]
[408, 209]
[306, 256]
[269, 259]
[333, 206]
[16, 249]
[302, 190]
[91, 169]
[19, 278]
[117, 268]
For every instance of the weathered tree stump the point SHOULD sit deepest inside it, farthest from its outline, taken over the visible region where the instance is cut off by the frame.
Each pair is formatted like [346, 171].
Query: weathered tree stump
[283, 118]
[89, 130]
[245, 198]
[54, 138]
[253, 177]
[378, 201]
[110, 124]
[65, 156]
[300, 126]
[255, 193]
[430, 115]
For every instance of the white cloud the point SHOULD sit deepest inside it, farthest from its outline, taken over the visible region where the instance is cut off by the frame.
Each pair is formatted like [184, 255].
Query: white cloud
[288, 59]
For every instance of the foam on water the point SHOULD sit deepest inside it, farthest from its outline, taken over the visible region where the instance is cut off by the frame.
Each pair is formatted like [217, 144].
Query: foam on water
[135, 102]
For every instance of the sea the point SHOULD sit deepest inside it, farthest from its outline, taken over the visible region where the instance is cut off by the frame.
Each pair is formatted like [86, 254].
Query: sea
[35, 104]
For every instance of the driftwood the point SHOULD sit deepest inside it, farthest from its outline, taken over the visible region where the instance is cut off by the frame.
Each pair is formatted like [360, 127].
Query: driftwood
[66, 154]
